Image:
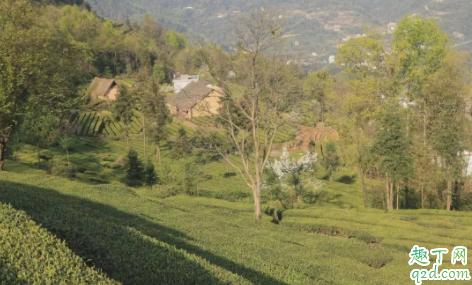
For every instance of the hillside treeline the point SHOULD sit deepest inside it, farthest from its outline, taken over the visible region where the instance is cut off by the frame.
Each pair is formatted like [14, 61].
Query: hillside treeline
[402, 108]
[111, 48]
[46, 51]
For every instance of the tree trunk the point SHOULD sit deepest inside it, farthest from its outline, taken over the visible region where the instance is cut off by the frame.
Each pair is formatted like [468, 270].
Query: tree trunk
[422, 196]
[291, 197]
[407, 196]
[364, 192]
[457, 196]
[448, 193]
[390, 196]
[390, 206]
[144, 135]
[2, 152]
[424, 125]
[398, 190]
[387, 196]
[39, 152]
[257, 201]
[158, 153]
[407, 101]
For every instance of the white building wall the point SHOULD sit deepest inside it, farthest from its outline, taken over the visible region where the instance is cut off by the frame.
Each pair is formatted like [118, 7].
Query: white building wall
[183, 81]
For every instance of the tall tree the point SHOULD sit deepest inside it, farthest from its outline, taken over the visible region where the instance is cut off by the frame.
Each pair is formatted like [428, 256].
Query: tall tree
[367, 80]
[156, 113]
[317, 86]
[393, 149]
[447, 91]
[264, 89]
[36, 64]
[123, 110]
[419, 46]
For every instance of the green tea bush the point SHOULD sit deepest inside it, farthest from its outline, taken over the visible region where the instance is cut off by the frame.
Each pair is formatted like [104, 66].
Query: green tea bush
[113, 165]
[31, 255]
[62, 169]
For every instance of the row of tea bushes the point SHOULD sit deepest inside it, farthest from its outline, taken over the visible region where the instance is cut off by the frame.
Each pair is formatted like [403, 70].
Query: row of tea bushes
[29, 254]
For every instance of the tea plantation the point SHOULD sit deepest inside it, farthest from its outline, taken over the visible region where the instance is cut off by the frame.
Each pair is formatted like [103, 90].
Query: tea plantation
[138, 238]
[30, 254]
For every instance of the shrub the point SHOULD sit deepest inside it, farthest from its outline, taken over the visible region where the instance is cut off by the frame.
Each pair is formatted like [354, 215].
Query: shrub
[113, 165]
[150, 177]
[31, 255]
[134, 169]
[60, 168]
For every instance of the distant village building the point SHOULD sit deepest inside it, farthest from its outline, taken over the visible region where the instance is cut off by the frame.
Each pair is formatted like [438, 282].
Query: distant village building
[196, 99]
[102, 88]
[459, 35]
[332, 59]
[468, 160]
[183, 80]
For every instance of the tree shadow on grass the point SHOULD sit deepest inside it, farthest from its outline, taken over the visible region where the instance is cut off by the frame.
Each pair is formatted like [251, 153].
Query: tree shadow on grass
[127, 247]
[347, 179]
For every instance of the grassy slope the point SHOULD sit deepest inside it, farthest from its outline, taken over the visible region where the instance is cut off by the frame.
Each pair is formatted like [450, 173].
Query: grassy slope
[179, 239]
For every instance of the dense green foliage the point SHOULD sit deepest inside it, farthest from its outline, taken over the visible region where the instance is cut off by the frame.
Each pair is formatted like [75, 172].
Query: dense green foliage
[38, 66]
[29, 254]
[405, 97]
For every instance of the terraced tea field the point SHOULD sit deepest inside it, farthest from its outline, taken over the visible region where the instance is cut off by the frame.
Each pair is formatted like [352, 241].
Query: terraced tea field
[138, 239]
[94, 124]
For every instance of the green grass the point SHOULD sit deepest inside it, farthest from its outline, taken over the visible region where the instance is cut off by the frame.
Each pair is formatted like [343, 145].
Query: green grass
[140, 239]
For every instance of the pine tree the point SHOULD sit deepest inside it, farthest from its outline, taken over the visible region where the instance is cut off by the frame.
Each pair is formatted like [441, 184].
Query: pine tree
[134, 169]
[156, 113]
[123, 110]
[150, 175]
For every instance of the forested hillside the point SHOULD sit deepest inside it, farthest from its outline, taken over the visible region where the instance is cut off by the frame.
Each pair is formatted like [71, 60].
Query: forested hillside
[315, 26]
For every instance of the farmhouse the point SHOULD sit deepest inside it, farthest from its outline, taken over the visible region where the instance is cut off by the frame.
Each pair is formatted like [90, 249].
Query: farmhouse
[106, 89]
[196, 99]
[183, 80]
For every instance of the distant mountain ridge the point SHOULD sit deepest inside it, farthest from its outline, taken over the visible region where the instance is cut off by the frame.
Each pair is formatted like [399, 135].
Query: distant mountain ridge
[314, 27]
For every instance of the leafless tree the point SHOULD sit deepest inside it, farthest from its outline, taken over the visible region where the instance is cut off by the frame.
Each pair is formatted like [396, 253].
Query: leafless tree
[262, 94]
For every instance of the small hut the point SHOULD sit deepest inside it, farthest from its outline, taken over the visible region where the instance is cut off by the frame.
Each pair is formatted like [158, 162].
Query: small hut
[106, 89]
